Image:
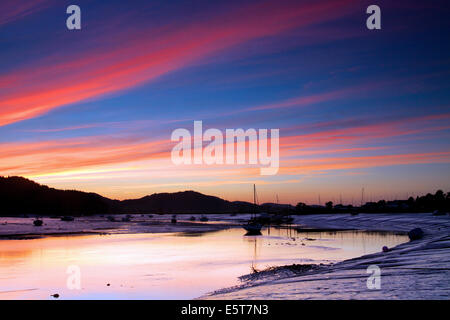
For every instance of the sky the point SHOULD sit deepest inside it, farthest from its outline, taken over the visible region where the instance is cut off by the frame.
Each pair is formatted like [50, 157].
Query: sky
[94, 109]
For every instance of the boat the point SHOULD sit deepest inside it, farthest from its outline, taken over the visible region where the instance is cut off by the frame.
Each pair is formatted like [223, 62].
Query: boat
[204, 218]
[288, 219]
[253, 227]
[67, 218]
[439, 213]
[192, 218]
[127, 218]
[174, 219]
[111, 218]
[38, 222]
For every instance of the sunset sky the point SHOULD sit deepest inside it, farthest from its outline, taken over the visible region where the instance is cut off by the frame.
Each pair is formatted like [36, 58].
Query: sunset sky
[94, 109]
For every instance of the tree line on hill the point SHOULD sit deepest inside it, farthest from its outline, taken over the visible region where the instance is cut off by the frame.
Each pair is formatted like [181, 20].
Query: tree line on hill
[439, 201]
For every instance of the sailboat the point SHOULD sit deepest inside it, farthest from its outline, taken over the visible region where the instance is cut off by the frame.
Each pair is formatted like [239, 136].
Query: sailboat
[252, 226]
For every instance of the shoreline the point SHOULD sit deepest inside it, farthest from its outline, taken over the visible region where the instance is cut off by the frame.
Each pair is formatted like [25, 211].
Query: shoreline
[30, 236]
[23, 228]
[413, 270]
[425, 263]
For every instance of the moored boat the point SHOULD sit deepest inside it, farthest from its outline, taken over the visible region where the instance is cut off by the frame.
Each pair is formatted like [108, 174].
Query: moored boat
[127, 218]
[439, 213]
[253, 227]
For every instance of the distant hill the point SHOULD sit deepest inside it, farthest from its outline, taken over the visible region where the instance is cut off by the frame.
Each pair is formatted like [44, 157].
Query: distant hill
[276, 207]
[183, 202]
[22, 196]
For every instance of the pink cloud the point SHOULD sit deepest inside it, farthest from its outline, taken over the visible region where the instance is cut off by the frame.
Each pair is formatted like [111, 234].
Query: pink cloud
[39, 89]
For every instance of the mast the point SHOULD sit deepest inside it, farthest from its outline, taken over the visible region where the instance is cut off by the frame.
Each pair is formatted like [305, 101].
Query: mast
[362, 196]
[254, 200]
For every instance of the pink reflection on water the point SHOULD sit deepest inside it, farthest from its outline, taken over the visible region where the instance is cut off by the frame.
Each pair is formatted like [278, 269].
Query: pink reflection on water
[166, 266]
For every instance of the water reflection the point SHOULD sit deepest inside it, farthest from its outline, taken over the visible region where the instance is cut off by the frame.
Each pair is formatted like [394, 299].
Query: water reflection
[166, 266]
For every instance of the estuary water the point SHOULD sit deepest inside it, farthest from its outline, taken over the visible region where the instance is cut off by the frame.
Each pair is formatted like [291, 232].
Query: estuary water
[166, 265]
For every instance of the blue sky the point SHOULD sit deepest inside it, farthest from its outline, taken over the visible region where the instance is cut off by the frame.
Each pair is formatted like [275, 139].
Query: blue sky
[94, 109]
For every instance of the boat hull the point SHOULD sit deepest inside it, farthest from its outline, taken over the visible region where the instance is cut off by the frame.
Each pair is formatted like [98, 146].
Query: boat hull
[252, 228]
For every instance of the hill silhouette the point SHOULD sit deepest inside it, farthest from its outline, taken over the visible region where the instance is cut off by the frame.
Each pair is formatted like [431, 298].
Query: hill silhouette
[19, 196]
[183, 202]
[22, 196]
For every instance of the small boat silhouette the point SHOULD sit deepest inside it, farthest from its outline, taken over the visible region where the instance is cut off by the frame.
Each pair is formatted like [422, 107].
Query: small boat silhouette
[127, 218]
[253, 233]
[439, 213]
[253, 227]
[38, 222]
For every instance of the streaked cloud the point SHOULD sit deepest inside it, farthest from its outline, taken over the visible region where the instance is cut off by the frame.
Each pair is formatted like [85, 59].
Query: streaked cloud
[96, 73]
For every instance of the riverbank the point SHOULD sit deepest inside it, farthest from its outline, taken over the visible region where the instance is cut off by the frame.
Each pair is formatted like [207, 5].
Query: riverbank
[23, 228]
[414, 270]
[175, 265]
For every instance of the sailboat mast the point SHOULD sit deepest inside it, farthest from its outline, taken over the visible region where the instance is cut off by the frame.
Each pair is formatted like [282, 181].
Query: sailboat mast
[254, 199]
[362, 196]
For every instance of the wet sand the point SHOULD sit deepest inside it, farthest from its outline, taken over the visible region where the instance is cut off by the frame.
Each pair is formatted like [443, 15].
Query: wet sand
[414, 270]
[125, 264]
